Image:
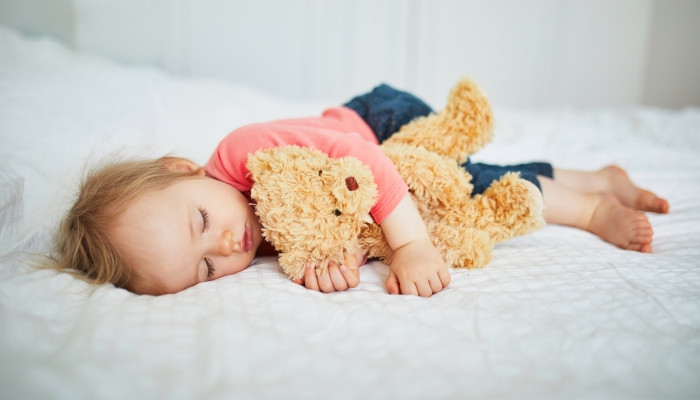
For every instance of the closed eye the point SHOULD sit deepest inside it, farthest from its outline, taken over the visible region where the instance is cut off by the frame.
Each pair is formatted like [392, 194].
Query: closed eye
[210, 268]
[205, 219]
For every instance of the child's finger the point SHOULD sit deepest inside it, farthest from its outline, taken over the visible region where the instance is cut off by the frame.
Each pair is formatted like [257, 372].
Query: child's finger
[408, 287]
[351, 275]
[424, 289]
[445, 277]
[435, 285]
[299, 281]
[351, 262]
[324, 283]
[392, 283]
[337, 279]
[310, 277]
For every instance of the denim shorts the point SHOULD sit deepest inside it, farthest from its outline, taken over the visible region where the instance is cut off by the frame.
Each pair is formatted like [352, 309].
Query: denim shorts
[386, 110]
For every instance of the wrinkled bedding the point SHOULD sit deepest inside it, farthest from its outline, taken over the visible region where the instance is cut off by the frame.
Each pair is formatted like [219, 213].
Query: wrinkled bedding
[556, 314]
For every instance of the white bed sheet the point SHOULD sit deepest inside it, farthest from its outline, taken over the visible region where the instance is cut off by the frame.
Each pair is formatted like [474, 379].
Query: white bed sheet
[557, 314]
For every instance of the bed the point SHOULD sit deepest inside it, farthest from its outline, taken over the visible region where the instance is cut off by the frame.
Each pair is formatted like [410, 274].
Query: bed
[556, 314]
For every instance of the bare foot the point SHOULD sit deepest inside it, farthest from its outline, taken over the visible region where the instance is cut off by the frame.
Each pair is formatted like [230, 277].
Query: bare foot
[607, 196]
[621, 226]
[629, 195]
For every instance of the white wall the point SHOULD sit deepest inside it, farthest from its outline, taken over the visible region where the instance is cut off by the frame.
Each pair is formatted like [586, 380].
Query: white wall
[525, 53]
[52, 17]
[536, 53]
[673, 58]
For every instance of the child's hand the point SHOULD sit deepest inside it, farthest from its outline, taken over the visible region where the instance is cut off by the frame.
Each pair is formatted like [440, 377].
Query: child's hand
[418, 269]
[338, 278]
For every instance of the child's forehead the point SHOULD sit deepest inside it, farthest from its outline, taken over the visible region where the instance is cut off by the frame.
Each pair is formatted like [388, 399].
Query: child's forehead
[162, 207]
[175, 191]
[157, 240]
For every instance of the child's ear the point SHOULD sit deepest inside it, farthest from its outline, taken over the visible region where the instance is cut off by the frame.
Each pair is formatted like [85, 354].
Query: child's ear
[185, 166]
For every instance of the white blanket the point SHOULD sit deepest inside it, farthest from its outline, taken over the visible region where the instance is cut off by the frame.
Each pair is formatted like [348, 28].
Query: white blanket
[556, 314]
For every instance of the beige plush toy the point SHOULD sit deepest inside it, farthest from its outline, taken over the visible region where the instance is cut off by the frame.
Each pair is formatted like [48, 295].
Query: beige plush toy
[314, 208]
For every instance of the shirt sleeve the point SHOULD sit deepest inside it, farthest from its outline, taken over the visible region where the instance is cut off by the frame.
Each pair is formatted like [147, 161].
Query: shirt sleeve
[328, 134]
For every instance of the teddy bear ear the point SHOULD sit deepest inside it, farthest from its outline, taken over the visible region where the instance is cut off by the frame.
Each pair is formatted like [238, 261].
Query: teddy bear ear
[258, 163]
[285, 159]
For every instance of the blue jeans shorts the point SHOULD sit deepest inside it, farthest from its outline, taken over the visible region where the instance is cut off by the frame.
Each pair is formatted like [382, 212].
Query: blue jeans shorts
[386, 110]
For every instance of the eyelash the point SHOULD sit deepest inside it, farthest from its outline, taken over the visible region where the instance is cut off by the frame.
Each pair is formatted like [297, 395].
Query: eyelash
[205, 218]
[210, 268]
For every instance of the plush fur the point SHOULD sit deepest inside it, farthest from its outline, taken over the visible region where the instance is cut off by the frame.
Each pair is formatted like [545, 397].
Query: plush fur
[314, 208]
[307, 210]
[462, 128]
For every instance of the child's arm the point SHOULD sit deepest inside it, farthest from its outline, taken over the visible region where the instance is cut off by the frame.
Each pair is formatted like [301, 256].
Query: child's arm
[417, 267]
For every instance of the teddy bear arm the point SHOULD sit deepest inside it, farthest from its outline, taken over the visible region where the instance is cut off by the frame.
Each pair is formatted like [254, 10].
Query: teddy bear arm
[433, 180]
[461, 246]
[292, 264]
[374, 244]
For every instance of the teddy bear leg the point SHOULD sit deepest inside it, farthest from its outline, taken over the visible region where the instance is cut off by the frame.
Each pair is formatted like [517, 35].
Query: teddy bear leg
[463, 127]
[517, 207]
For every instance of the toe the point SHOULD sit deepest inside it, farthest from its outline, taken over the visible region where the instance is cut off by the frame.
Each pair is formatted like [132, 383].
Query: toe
[648, 201]
[640, 221]
[635, 247]
[641, 239]
[642, 248]
[661, 206]
[641, 229]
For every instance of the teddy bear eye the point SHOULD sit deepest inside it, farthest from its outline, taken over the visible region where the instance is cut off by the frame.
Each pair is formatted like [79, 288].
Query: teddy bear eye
[337, 212]
[320, 172]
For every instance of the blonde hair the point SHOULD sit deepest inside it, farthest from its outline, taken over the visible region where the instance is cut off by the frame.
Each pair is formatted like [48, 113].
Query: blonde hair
[83, 247]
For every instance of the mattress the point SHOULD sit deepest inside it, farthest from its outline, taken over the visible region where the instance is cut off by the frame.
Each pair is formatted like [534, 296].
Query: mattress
[556, 314]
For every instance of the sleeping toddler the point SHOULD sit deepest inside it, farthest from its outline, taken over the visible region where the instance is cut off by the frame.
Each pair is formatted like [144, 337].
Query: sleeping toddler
[161, 226]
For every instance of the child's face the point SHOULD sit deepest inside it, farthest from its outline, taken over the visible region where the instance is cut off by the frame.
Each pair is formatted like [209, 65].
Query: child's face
[193, 231]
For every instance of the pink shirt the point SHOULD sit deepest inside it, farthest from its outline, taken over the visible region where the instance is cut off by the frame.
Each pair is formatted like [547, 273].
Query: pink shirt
[339, 132]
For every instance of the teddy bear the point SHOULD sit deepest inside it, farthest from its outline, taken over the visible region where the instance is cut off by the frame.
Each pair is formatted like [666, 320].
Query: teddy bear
[316, 209]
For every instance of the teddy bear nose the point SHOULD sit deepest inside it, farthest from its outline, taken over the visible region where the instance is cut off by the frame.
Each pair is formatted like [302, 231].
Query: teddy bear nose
[351, 183]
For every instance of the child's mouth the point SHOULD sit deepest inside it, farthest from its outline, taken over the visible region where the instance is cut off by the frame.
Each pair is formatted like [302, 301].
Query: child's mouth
[247, 241]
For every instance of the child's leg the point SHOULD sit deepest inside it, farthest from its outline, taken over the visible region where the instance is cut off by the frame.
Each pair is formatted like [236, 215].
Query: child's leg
[386, 110]
[610, 221]
[613, 180]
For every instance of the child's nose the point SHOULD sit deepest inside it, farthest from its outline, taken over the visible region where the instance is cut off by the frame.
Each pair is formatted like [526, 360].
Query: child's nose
[226, 245]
